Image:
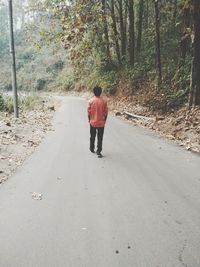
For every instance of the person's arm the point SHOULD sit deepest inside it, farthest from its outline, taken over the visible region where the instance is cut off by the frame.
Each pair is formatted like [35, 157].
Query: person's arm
[89, 111]
[106, 111]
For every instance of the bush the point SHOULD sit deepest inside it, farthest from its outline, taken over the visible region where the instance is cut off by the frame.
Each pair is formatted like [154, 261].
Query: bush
[40, 84]
[107, 80]
[27, 102]
[64, 81]
[9, 104]
[30, 102]
[56, 67]
[6, 103]
[2, 103]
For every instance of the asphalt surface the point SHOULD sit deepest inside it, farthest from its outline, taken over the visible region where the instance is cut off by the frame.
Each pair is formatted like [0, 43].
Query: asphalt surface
[138, 206]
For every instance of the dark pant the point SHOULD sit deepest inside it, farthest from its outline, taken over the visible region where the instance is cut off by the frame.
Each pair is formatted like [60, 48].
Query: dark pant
[93, 131]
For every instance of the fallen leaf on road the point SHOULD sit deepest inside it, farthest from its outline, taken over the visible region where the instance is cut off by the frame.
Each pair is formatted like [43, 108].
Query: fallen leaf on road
[3, 179]
[52, 108]
[8, 124]
[36, 196]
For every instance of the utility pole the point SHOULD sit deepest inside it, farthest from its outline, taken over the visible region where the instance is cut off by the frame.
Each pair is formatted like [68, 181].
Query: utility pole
[12, 53]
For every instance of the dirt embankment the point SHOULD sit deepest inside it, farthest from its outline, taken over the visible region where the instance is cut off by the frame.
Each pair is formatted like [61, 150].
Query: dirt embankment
[20, 137]
[181, 125]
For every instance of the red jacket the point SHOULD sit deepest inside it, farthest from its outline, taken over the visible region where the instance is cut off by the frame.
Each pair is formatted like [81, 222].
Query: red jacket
[97, 111]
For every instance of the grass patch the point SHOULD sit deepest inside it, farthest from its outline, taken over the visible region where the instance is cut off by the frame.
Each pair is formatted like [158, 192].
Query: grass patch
[31, 102]
[26, 103]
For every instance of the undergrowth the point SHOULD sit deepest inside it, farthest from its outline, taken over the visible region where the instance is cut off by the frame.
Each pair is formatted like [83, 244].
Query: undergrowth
[26, 102]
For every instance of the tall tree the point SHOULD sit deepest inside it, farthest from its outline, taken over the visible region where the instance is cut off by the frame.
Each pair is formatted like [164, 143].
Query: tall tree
[3, 31]
[147, 13]
[131, 32]
[195, 82]
[105, 25]
[185, 41]
[158, 46]
[140, 18]
[114, 26]
[122, 29]
[174, 11]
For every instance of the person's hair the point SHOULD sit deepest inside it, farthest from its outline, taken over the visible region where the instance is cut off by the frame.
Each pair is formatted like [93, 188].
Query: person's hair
[97, 90]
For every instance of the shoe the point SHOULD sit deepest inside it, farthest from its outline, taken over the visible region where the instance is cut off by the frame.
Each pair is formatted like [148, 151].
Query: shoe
[92, 150]
[99, 155]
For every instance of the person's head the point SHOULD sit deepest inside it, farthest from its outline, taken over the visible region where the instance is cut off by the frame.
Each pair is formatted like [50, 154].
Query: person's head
[97, 91]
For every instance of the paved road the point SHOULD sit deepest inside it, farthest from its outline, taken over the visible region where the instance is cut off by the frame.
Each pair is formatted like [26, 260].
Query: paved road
[139, 206]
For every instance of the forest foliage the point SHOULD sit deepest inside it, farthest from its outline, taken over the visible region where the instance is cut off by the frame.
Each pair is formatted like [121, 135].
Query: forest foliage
[79, 43]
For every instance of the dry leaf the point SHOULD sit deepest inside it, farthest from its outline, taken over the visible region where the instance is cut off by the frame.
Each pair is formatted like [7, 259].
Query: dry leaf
[36, 196]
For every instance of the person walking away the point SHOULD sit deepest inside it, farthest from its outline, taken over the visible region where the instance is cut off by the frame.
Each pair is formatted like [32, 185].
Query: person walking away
[97, 115]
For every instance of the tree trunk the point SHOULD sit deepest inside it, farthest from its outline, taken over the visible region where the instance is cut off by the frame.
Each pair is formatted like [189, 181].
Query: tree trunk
[131, 33]
[175, 12]
[158, 53]
[105, 24]
[115, 32]
[140, 18]
[147, 13]
[125, 23]
[194, 98]
[122, 30]
[185, 38]
[12, 53]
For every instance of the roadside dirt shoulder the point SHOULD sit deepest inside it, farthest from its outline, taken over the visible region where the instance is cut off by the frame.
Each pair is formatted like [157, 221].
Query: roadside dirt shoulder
[20, 137]
[182, 126]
